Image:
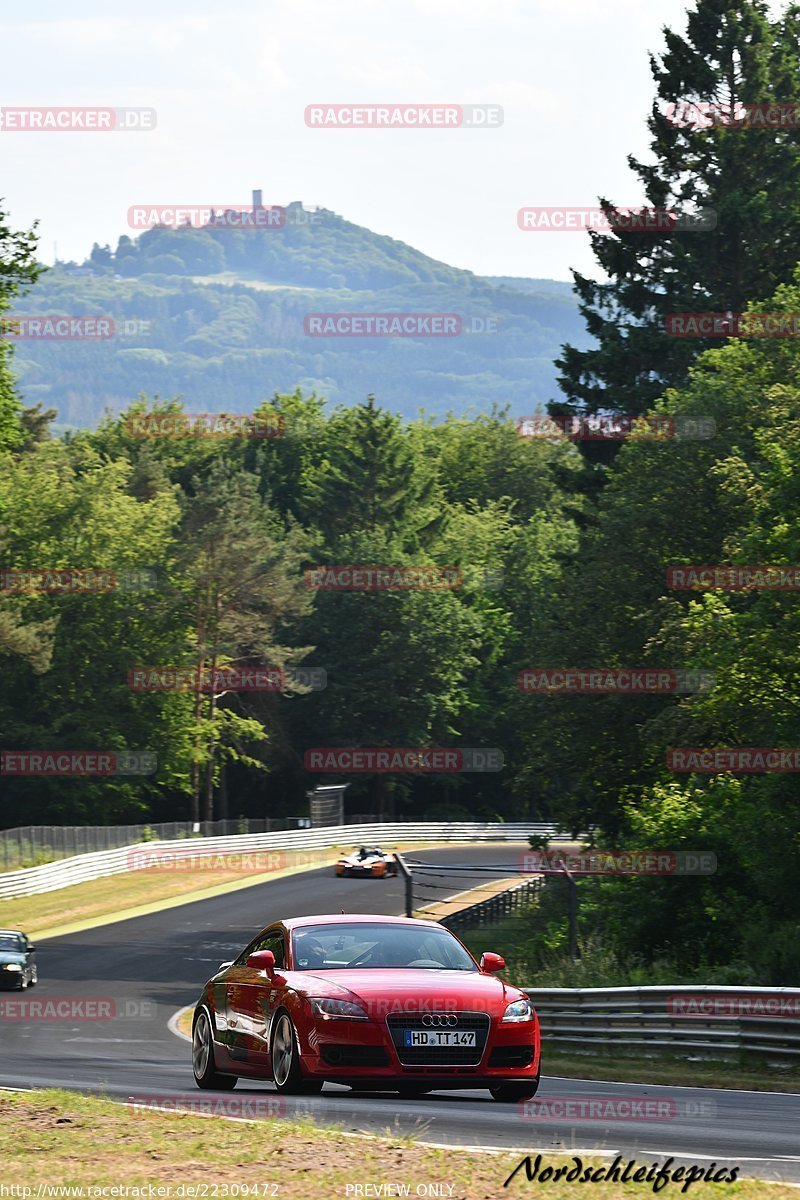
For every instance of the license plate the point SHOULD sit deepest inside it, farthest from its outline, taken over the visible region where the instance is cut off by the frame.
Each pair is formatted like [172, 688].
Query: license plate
[438, 1037]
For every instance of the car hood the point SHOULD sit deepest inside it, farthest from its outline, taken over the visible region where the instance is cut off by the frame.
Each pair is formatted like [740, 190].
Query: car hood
[385, 991]
[10, 956]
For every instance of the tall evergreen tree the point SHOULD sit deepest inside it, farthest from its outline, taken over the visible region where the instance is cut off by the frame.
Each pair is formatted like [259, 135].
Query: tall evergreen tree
[371, 479]
[18, 270]
[732, 54]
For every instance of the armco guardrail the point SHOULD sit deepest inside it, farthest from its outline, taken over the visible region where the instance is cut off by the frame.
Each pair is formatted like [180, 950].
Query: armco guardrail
[31, 881]
[30, 845]
[704, 1021]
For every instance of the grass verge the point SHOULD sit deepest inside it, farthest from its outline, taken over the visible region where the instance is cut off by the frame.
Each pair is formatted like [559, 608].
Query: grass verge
[181, 880]
[101, 898]
[64, 1139]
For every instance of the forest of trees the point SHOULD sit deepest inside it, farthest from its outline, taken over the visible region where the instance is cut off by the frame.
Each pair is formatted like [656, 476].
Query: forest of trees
[215, 328]
[563, 547]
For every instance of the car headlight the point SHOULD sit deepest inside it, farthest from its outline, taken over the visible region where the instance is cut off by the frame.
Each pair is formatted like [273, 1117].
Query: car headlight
[520, 1010]
[12, 967]
[328, 1008]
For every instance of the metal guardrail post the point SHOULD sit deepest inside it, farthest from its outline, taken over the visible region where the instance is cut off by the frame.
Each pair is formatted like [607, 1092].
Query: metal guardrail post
[404, 871]
[573, 916]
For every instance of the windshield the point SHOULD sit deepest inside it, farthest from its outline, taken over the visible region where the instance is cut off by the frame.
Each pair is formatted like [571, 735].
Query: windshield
[338, 947]
[11, 941]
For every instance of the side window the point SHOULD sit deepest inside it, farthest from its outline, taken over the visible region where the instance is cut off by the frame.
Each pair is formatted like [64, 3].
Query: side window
[275, 944]
[271, 940]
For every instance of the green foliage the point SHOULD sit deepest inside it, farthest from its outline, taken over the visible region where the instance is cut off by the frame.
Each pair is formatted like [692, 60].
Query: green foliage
[218, 316]
[731, 54]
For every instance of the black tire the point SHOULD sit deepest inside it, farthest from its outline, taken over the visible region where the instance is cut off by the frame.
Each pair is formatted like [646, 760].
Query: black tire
[204, 1068]
[512, 1093]
[34, 979]
[285, 1058]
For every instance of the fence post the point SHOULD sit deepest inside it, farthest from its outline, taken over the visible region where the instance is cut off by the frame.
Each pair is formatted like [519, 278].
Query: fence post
[573, 916]
[404, 871]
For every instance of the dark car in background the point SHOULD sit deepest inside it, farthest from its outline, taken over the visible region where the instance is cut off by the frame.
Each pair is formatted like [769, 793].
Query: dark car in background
[17, 960]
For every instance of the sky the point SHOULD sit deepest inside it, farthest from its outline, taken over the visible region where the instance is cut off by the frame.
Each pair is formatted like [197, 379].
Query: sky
[230, 86]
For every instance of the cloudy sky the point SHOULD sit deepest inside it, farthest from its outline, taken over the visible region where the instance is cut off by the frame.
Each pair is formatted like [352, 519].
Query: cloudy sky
[231, 83]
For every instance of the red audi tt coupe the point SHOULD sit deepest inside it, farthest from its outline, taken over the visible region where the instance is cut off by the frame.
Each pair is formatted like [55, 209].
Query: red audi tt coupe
[374, 1002]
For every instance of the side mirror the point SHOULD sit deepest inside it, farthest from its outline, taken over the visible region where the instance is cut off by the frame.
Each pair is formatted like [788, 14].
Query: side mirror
[492, 963]
[262, 960]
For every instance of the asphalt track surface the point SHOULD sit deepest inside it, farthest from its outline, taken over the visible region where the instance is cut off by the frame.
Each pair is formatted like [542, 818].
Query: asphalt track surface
[152, 965]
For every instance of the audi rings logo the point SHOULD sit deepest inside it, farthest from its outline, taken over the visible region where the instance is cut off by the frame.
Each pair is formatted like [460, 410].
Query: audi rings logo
[439, 1020]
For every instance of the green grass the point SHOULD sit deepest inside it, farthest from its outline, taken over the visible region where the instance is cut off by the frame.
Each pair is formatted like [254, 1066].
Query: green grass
[59, 1138]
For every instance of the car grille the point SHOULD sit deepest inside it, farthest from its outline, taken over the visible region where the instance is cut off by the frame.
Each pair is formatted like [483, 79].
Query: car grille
[511, 1056]
[354, 1056]
[439, 1056]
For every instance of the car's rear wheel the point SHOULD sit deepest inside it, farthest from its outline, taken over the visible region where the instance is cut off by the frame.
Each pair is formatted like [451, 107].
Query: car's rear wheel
[204, 1068]
[512, 1093]
[285, 1058]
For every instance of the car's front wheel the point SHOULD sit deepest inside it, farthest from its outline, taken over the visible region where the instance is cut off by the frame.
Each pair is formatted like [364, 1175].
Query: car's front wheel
[285, 1057]
[34, 978]
[512, 1093]
[204, 1068]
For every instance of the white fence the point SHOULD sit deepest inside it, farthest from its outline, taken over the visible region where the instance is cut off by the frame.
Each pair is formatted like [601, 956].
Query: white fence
[703, 1021]
[30, 881]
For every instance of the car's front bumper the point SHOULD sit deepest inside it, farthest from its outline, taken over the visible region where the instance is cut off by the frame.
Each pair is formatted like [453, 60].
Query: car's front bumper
[348, 1051]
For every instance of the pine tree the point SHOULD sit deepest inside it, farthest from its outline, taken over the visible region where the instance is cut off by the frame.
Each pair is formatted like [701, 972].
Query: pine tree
[750, 176]
[18, 270]
[370, 479]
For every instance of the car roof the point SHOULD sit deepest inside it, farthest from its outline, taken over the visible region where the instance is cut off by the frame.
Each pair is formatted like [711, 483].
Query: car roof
[16, 932]
[352, 918]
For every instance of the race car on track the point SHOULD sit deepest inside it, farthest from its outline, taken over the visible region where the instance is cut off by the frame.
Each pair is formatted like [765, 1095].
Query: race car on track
[385, 1003]
[368, 860]
[17, 960]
